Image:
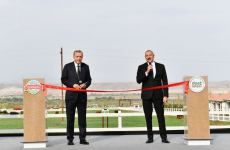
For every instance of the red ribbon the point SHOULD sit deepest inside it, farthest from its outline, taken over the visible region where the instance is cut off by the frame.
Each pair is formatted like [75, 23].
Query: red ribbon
[185, 84]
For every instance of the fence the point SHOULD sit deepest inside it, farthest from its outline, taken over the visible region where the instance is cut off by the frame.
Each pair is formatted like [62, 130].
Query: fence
[214, 115]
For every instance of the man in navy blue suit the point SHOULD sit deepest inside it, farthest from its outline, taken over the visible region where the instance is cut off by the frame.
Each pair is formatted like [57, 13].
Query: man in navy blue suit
[152, 74]
[76, 75]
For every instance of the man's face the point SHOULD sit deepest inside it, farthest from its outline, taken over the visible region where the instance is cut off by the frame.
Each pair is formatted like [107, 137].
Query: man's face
[78, 57]
[149, 56]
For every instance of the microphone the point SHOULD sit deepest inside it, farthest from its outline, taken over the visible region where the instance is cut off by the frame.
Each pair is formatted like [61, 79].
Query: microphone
[150, 64]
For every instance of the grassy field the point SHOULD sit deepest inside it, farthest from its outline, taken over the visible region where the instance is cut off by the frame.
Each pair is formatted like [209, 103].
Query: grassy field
[97, 122]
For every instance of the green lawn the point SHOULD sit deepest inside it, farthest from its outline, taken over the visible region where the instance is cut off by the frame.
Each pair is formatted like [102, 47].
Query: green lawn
[140, 121]
[97, 122]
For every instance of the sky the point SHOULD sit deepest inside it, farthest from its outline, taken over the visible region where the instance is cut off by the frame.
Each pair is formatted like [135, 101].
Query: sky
[190, 37]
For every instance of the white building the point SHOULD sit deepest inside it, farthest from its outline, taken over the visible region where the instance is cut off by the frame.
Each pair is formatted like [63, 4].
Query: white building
[219, 102]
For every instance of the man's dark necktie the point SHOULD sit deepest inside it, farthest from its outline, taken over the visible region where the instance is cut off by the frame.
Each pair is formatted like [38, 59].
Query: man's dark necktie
[151, 73]
[79, 72]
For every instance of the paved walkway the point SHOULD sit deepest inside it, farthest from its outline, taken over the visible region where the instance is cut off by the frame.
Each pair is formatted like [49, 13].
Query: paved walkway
[121, 142]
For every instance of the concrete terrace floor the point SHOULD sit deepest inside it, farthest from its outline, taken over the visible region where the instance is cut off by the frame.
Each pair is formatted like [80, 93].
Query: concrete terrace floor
[120, 142]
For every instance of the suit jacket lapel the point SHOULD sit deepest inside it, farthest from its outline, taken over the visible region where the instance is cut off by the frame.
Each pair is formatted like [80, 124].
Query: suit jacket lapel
[82, 70]
[146, 65]
[157, 69]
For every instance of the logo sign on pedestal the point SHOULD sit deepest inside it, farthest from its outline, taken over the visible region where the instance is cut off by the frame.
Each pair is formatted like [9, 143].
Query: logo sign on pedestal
[33, 87]
[197, 84]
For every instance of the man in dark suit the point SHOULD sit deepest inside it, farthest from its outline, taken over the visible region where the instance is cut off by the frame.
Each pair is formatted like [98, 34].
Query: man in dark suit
[152, 74]
[76, 75]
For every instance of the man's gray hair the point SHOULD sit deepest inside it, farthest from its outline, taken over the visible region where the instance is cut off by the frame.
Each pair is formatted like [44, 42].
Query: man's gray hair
[149, 50]
[77, 51]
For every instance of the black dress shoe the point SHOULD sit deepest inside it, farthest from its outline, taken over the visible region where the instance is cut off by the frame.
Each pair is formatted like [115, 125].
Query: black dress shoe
[165, 140]
[70, 143]
[84, 142]
[149, 141]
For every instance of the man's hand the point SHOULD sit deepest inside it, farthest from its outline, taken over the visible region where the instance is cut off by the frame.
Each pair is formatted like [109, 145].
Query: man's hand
[165, 99]
[82, 86]
[149, 68]
[76, 86]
